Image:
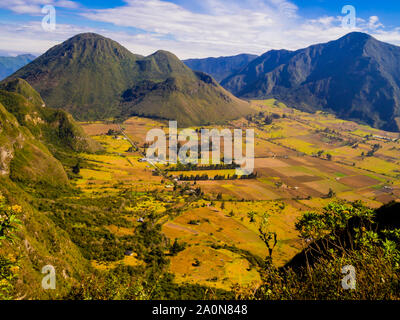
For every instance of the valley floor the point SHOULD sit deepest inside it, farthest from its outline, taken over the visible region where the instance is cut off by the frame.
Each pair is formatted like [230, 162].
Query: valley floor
[303, 162]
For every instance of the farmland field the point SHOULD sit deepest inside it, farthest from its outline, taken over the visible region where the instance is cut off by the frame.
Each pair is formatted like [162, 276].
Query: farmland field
[303, 162]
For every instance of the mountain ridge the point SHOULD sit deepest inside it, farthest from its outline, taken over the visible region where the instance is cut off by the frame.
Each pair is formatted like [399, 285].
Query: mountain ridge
[221, 67]
[88, 76]
[356, 77]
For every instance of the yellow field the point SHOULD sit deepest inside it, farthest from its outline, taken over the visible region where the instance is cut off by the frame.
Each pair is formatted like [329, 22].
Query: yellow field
[293, 177]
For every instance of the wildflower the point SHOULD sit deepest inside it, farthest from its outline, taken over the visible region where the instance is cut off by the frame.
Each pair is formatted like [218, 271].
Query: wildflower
[14, 269]
[16, 208]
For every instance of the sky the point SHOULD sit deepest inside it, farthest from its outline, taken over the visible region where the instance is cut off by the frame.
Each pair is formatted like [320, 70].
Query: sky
[194, 28]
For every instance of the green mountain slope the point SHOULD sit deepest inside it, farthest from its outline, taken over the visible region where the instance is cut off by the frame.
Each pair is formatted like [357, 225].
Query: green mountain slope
[30, 134]
[173, 91]
[356, 77]
[53, 127]
[25, 159]
[91, 76]
[85, 75]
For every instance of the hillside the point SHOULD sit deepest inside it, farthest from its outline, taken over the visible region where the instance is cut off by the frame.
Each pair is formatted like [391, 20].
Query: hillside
[222, 67]
[181, 94]
[8, 65]
[55, 128]
[85, 75]
[90, 76]
[356, 77]
[31, 137]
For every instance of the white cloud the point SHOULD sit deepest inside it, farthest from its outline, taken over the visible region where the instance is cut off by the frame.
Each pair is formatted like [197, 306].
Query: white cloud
[31, 38]
[374, 23]
[253, 26]
[222, 28]
[35, 6]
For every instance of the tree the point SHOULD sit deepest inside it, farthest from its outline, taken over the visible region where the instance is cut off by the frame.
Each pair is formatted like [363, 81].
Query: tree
[77, 168]
[268, 120]
[177, 247]
[251, 215]
[331, 193]
[269, 238]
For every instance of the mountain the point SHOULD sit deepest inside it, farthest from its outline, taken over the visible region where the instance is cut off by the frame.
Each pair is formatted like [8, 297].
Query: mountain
[173, 91]
[53, 127]
[222, 67]
[8, 65]
[85, 75]
[31, 135]
[357, 77]
[94, 78]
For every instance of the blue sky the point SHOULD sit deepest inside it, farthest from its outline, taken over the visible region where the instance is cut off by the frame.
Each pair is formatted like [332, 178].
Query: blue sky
[194, 28]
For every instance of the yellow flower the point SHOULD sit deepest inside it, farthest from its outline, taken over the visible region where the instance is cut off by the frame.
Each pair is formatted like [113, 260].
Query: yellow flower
[11, 257]
[3, 282]
[16, 208]
[14, 269]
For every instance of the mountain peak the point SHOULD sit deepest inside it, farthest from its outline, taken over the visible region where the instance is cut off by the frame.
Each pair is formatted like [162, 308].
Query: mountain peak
[357, 77]
[87, 36]
[357, 37]
[91, 76]
[165, 55]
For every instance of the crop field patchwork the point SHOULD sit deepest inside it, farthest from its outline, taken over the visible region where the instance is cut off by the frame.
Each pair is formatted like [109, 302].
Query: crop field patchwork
[302, 161]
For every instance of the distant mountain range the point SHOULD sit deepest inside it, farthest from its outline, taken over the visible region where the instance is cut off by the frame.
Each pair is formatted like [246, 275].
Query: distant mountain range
[93, 78]
[222, 67]
[356, 77]
[8, 65]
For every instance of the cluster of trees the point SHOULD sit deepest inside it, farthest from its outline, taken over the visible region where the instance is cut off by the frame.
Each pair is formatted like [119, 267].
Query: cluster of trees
[320, 154]
[264, 117]
[373, 150]
[196, 167]
[112, 132]
[205, 177]
[87, 227]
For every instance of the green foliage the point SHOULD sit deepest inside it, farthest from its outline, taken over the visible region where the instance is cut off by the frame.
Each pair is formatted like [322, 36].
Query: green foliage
[53, 127]
[8, 225]
[343, 234]
[334, 218]
[123, 283]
